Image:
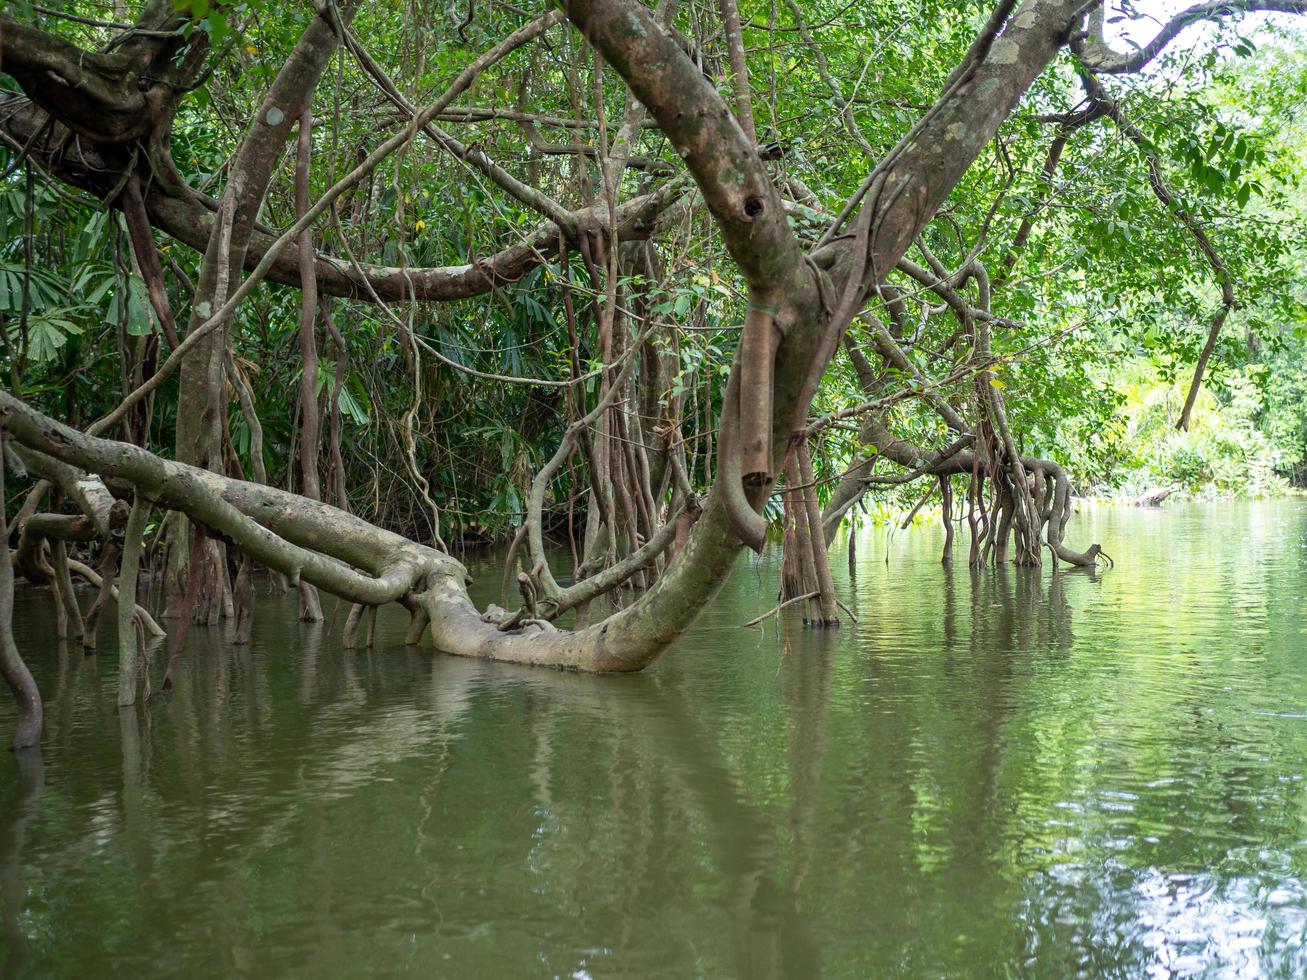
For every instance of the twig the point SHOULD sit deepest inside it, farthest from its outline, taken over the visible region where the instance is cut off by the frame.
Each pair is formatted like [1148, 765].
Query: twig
[787, 602]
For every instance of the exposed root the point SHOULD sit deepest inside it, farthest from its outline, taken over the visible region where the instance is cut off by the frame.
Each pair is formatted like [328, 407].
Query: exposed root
[131, 635]
[805, 567]
[17, 676]
[68, 615]
[244, 602]
[149, 624]
[108, 561]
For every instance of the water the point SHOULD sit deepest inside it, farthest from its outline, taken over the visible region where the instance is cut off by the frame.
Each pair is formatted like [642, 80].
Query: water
[995, 773]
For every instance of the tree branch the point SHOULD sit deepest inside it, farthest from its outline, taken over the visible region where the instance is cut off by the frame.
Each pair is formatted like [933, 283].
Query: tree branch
[723, 160]
[1098, 57]
[284, 531]
[1185, 217]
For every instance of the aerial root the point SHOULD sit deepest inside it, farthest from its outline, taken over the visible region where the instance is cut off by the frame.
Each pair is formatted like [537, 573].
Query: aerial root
[805, 569]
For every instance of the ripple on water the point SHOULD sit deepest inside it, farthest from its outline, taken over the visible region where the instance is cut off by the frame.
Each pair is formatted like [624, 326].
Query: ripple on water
[995, 771]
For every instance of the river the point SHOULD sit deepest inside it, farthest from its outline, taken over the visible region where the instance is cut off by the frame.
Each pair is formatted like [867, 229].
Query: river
[995, 772]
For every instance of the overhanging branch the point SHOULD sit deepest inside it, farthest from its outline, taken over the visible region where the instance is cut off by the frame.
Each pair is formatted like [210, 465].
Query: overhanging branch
[1098, 57]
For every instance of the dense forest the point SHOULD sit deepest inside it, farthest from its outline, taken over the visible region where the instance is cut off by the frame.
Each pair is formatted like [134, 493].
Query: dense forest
[316, 296]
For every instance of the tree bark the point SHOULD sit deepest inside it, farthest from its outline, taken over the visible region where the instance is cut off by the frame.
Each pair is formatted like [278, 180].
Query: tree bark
[128, 658]
[17, 676]
[310, 423]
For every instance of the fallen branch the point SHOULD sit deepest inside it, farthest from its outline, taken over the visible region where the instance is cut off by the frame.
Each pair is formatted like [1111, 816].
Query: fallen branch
[788, 602]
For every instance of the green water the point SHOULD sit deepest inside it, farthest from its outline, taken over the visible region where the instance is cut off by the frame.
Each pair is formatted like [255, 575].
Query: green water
[998, 772]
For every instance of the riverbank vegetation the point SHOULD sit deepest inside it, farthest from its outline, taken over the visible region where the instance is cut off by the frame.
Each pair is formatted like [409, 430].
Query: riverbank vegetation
[325, 291]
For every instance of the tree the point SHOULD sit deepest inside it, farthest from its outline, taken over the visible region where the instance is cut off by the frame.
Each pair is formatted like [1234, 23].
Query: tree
[107, 123]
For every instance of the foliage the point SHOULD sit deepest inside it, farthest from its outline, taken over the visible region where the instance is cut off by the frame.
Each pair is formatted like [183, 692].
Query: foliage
[1109, 284]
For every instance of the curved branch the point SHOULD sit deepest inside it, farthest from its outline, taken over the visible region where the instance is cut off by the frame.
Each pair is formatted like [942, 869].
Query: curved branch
[693, 115]
[1185, 217]
[913, 180]
[109, 97]
[284, 531]
[532, 197]
[617, 573]
[189, 217]
[1098, 57]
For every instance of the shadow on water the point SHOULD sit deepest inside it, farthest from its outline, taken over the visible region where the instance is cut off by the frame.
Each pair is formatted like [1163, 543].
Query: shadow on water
[995, 771]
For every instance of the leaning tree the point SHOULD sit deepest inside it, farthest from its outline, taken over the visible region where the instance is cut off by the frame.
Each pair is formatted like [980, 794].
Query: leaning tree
[674, 479]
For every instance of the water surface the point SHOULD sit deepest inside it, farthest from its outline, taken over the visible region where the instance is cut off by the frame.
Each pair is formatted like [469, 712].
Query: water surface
[996, 772]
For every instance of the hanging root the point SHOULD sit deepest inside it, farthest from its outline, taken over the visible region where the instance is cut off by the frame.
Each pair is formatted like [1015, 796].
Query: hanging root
[805, 569]
[756, 357]
[108, 561]
[992, 522]
[419, 620]
[310, 604]
[1032, 498]
[350, 635]
[946, 506]
[826, 604]
[244, 602]
[746, 522]
[17, 677]
[131, 634]
[1059, 514]
[198, 571]
[148, 623]
[69, 625]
